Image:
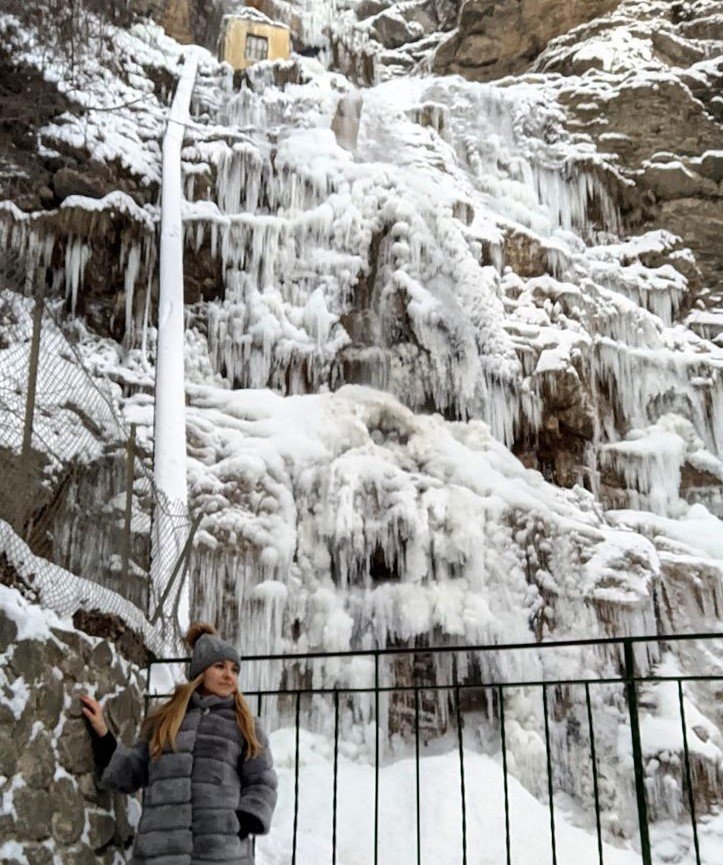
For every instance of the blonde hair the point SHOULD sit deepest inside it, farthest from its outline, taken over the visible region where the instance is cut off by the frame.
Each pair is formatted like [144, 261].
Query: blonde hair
[162, 726]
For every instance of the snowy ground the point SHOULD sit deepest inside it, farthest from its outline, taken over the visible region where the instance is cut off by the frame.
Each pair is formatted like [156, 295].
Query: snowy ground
[440, 816]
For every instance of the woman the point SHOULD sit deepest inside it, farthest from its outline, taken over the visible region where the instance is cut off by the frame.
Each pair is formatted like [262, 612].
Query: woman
[205, 762]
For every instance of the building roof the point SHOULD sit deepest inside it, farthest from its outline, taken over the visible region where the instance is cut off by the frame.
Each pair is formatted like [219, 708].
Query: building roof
[248, 13]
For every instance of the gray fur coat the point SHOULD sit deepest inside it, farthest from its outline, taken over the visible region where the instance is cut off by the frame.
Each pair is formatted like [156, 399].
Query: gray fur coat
[196, 794]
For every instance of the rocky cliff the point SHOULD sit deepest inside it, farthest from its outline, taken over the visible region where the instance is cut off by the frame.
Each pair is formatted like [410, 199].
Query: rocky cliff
[494, 38]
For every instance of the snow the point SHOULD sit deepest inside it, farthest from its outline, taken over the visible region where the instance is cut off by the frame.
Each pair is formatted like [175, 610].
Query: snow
[59, 423]
[663, 731]
[552, 360]
[32, 622]
[314, 488]
[13, 852]
[698, 529]
[251, 14]
[275, 250]
[20, 695]
[616, 50]
[116, 201]
[120, 134]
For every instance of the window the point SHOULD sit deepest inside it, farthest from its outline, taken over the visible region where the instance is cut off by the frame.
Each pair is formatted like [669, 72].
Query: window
[257, 47]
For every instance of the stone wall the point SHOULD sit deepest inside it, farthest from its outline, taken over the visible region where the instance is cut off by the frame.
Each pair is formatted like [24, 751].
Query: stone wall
[54, 810]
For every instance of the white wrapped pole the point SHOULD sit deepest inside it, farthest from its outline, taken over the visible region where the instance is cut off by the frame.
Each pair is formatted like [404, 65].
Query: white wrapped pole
[169, 458]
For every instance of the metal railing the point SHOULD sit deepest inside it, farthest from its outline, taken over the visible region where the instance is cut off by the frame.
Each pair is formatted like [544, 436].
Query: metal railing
[628, 677]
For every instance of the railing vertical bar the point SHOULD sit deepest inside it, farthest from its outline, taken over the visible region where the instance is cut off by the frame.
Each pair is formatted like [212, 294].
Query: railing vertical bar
[460, 743]
[260, 708]
[146, 702]
[688, 775]
[550, 786]
[508, 845]
[416, 761]
[336, 777]
[593, 759]
[296, 779]
[376, 758]
[637, 751]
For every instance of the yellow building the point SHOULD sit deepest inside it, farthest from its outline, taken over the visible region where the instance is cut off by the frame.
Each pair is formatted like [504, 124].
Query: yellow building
[248, 36]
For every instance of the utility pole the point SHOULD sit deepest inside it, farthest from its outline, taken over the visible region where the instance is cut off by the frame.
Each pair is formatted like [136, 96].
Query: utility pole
[170, 523]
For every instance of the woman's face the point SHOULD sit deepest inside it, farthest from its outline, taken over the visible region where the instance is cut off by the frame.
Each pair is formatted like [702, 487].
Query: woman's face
[221, 678]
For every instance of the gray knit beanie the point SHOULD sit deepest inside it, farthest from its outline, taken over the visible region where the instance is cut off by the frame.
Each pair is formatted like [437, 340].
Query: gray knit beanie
[208, 648]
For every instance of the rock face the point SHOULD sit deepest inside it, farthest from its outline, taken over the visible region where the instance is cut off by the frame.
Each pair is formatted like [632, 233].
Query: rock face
[345, 124]
[655, 105]
[47, 771]
[195, 22]
[501, 37]
[177, 21]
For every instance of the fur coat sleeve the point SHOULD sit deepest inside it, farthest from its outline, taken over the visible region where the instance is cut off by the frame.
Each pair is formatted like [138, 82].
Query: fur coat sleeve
[127, 770]
[257, 798]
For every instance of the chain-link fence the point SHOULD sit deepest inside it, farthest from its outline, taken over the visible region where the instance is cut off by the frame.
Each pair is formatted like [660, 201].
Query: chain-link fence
[77, 484]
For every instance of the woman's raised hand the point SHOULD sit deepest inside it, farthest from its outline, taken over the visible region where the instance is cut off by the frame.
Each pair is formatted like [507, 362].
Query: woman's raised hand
[93, 711]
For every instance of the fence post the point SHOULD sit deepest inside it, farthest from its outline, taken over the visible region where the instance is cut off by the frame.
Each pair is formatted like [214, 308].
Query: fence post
[187, 551]
[637, 750]
[550, 780]
[376, 757]
[126, 541]
[296, 778]
[183, 559]
[31, 389]
[460, 743]
[688, 774]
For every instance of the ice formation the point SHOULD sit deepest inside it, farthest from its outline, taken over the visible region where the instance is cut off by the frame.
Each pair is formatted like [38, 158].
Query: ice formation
[403, 259]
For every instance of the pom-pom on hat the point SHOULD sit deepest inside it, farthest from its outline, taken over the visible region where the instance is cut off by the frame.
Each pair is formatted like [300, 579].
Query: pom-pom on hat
[208, 648]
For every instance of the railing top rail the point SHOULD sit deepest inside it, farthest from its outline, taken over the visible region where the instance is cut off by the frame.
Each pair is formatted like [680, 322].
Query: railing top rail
[462, 686]
[496, 647]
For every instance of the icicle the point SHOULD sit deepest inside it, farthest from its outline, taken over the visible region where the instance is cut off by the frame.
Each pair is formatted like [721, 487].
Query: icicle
[214, 240]
[132, 268]
[645, 383]
[77, 255]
